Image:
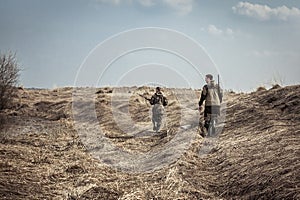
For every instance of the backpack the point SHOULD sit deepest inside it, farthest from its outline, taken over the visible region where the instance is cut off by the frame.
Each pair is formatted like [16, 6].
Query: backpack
[213, 95]
[158, 99]
[164, 101]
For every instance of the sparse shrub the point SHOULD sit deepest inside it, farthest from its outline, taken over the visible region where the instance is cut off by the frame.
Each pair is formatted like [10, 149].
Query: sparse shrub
[277, 79]
[230, 91]
[276, 86]
[9, 74]
[261, 88]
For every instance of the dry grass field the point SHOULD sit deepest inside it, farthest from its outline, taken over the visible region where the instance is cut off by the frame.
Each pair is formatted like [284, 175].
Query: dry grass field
[43, 155]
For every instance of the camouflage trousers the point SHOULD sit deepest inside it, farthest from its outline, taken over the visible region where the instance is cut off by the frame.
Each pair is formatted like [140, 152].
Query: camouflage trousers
[157, 116]
[201, 128]
[204, 121]
[209, 113]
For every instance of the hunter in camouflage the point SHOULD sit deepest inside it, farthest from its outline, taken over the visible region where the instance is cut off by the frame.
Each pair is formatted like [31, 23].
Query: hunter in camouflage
[212, 95]
[158, 101]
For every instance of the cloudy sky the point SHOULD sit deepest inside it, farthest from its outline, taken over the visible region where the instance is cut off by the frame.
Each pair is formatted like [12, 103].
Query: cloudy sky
[251, 43]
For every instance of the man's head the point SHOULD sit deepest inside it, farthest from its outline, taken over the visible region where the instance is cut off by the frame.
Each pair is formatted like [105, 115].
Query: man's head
[157, 89]
[208, 78]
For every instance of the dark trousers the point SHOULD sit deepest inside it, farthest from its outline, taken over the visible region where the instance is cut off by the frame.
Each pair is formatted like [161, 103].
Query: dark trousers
[210, 111]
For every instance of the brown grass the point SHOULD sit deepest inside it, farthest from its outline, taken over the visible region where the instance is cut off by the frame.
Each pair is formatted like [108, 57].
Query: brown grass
[255, 157]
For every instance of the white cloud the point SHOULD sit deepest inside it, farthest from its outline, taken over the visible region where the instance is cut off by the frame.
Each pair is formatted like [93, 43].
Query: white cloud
[182, 7]
[229, 31]
[213, 30]
[264, 12]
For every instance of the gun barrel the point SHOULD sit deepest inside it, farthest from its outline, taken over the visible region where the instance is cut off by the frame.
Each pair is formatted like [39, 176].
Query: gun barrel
[148, 99]
[218, 83]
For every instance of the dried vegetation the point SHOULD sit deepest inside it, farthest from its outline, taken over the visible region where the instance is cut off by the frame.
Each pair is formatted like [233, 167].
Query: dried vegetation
[255, 157]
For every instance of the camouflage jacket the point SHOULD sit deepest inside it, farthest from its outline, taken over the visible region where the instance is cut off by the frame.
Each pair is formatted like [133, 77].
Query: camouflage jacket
[211, 94]
[158, 98]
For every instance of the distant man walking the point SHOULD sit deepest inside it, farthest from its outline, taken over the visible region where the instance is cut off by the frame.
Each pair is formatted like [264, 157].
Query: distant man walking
[158, 101]
[212, 95]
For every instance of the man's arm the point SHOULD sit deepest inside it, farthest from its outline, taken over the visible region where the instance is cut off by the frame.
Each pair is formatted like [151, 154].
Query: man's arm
[203, 95]
[152, 100]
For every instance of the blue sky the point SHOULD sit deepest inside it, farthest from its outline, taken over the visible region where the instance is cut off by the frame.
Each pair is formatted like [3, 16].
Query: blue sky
[252, 43]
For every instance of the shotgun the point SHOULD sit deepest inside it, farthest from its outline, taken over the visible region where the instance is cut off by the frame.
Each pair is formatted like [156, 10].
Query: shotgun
[219, 85]
[219, 90]
[148, 99]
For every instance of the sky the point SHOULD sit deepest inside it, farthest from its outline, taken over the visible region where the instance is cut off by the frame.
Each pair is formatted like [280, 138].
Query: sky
[58, 42]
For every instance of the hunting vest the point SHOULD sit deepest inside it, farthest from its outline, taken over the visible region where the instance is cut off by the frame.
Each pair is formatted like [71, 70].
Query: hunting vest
[212, 94]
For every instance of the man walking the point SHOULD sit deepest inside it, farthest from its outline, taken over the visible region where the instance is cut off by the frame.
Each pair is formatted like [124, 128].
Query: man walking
[158, 101]
[212, 95]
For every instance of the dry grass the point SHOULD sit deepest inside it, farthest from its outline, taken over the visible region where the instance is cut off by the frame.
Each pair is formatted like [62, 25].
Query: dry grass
[255, 157]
